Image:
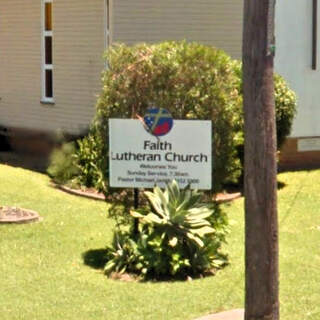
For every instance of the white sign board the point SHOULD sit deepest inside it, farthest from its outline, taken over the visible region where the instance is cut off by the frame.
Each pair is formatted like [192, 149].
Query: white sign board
[141, 160]
[309, 144]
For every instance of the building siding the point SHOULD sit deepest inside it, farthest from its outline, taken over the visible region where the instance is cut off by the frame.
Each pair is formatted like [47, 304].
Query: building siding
[78, 35]
[78, 45]
[217, 23]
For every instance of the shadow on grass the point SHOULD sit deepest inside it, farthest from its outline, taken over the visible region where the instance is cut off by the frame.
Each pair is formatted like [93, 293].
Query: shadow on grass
[96, 258]
[281, 185]
[239, 187]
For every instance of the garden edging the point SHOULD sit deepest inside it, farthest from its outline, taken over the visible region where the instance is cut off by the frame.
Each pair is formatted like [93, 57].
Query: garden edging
[220, 197]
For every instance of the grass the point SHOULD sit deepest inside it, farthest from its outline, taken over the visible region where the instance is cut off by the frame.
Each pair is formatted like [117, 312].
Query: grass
[43, 274]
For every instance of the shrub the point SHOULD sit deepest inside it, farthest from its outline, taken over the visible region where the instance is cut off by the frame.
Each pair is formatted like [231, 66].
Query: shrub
[63, 168]
[89, 162]
[178, 237]
[285, 105]
[77, 163]
[190, 80]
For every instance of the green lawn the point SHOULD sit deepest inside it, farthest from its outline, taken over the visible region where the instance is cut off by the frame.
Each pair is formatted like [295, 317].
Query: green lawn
[43, 276]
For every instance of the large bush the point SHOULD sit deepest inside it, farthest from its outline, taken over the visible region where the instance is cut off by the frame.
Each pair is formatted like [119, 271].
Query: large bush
[192, 81]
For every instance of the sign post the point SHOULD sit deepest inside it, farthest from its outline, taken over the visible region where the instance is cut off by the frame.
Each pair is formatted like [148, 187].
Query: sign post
[136, 206]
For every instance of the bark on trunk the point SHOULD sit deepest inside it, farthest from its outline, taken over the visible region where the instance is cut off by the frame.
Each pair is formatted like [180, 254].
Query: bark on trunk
[261, 299]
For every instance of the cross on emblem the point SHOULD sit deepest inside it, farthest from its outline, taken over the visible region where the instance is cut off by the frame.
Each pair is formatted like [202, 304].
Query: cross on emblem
[158, 121]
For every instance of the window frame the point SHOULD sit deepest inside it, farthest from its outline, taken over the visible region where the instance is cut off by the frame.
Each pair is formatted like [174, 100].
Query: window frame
[44, 66]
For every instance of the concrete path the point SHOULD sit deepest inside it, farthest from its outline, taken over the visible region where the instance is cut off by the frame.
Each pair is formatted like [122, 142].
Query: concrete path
[237, 314]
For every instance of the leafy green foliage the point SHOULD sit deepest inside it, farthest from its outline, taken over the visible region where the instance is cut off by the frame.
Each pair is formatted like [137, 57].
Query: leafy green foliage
[176, 213]
[285, 105]
[89, 162]
[177, 237]
[190, 80]
[78, 163]
[62, 167]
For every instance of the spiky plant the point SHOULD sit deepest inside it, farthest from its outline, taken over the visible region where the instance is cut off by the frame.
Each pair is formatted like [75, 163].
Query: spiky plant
[176, 237]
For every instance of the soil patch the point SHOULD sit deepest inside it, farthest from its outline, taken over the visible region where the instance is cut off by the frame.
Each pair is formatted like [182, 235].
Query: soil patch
[17, 215]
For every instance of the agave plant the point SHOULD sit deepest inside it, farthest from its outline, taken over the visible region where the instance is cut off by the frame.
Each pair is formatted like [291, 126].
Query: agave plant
[176, 237]
[178, 212]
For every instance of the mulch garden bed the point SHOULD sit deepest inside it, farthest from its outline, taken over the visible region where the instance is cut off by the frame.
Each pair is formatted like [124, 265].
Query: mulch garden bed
[93, 194]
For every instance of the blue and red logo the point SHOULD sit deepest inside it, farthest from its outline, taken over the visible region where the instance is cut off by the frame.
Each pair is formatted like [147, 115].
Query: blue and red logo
[158, 121]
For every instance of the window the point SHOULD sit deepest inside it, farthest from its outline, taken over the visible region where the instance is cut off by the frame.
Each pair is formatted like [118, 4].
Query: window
[107, 23]
[314, 34]
[47, 55]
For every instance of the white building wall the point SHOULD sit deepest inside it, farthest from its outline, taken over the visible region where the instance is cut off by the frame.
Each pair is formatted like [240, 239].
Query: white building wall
[293, 62]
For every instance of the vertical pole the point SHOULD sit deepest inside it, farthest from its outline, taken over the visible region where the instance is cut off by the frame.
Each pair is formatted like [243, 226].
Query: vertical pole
[136, 206]
[314, 33]
[261, 222]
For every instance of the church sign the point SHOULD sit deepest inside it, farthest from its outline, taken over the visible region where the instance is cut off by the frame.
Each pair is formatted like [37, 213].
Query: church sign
[157, 149]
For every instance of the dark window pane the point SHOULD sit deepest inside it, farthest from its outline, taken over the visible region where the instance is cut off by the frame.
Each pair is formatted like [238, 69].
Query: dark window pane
[49, 84]
[48, 50]
[48, 19]
[108, 17]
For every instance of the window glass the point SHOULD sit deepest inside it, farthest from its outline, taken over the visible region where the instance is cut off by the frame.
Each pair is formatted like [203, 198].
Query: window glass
[48, 16]
[48, 50]
[49, 87]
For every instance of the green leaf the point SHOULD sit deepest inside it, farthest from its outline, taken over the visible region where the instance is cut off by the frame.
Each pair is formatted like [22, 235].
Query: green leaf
[173, 242]
[153, 218]
[198, 223]
[136, 214]
[109, 266]
[195, 239]
[162, 196]
[203, 231]
[174, 192]
[156, 203]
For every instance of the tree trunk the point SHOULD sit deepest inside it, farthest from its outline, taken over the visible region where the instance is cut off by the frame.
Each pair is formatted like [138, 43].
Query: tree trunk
[261, 298]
